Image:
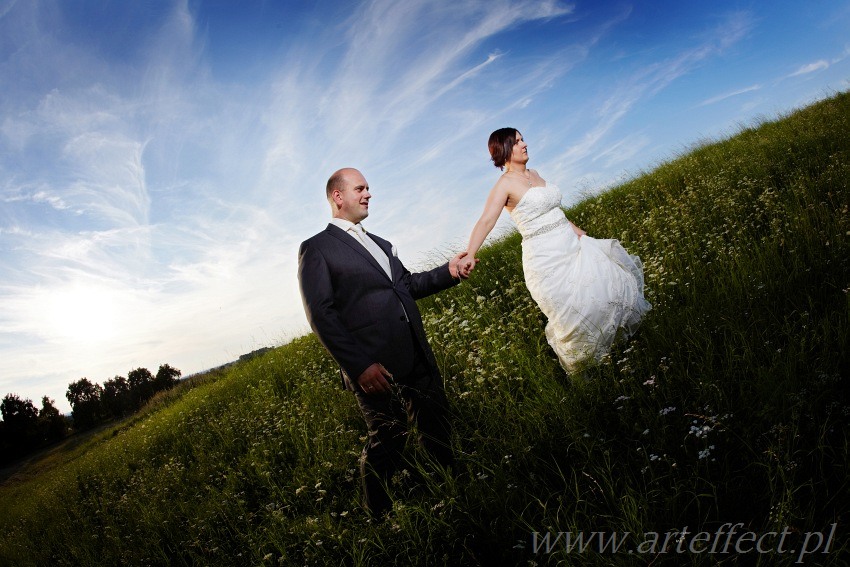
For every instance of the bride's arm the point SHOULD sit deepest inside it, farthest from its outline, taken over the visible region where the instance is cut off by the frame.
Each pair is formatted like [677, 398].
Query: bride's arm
[492, 209]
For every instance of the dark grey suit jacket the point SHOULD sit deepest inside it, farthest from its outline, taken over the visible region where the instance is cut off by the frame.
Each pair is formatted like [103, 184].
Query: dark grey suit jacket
[356, 309]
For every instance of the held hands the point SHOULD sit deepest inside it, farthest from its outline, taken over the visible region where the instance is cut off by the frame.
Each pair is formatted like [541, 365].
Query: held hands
[375, 380]
[462, 265]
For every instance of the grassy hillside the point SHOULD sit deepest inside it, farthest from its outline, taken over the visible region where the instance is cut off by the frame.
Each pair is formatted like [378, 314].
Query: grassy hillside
[730, 406]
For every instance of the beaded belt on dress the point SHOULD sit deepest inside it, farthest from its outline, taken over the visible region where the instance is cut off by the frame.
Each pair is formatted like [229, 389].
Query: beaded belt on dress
[548, 227]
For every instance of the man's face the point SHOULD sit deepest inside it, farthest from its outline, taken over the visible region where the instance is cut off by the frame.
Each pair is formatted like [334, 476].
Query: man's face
[353, 200]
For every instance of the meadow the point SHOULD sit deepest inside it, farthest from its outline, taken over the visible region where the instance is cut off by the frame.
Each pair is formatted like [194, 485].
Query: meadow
[727, 413]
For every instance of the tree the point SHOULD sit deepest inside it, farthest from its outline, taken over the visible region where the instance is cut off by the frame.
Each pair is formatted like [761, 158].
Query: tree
[51, 423]
[20, 426]
[166, 377]
[6, 451]
[117, 397]
[85, 400]
[141, 385]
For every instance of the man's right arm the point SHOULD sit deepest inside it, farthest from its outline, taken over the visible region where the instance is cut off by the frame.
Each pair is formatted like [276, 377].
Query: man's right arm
[317, 294]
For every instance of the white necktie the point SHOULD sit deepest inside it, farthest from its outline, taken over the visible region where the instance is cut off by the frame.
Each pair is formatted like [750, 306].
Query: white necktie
[372, 247]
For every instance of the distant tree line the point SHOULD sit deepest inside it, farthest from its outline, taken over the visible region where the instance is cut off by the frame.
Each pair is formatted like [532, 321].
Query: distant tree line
[25, 428]
[254, 354]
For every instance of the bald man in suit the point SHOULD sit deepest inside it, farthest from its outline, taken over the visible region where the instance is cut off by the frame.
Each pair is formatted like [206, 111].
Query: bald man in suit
[361, 303]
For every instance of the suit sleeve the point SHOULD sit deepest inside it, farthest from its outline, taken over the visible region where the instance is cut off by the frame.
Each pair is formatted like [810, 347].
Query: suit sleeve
[317, 294]
[423, 284]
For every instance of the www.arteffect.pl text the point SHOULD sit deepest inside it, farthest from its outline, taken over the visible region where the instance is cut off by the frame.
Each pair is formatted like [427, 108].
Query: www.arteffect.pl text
[728, 538]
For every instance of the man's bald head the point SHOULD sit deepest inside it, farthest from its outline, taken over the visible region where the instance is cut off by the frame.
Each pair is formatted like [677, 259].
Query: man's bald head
[337, 181]
[348, 194]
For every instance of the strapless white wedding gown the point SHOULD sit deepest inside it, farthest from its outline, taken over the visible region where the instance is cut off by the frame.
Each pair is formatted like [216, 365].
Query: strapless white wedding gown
[589, 289]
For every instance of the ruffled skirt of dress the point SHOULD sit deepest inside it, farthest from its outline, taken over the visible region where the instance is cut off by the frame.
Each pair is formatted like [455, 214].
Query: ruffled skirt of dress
[591, 291]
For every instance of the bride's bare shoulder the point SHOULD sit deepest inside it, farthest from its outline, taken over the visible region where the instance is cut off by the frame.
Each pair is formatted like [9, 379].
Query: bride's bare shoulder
[536, 180]
[508, 182]
[510, 190]
[507, 186]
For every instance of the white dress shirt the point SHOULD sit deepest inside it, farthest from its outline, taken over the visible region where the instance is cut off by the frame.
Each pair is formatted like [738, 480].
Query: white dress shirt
[358, 233]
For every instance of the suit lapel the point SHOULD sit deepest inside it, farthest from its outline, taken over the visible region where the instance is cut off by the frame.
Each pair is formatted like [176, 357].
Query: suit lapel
[349, 241]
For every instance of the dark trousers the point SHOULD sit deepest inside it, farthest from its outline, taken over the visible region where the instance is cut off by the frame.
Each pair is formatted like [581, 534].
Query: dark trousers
[419, 397]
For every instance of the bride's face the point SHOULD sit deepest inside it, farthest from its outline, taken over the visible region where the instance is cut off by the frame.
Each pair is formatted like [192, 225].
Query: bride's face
[520, 151]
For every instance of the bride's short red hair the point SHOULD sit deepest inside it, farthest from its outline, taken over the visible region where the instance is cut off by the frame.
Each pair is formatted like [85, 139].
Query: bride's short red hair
[501, 145]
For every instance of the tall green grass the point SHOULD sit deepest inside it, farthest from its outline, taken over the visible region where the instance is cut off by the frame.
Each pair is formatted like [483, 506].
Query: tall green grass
[730, 405]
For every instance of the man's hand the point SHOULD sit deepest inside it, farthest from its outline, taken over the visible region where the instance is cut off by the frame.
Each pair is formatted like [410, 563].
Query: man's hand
[460, 266]
[375, 380]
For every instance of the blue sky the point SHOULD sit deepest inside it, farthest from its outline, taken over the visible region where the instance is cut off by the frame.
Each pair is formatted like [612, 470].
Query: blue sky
[160, 162]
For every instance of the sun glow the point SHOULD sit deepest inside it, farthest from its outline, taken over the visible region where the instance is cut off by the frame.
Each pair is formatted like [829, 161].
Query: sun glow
[85, 314]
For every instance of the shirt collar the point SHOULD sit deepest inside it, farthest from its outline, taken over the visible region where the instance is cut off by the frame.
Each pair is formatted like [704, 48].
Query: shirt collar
[344, 224]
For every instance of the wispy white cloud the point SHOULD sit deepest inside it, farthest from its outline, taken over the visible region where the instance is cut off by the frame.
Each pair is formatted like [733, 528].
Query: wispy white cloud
[108, 178]
[844, 55]
[810, 68]
[725, 96]
[38, 195]
[622, 150]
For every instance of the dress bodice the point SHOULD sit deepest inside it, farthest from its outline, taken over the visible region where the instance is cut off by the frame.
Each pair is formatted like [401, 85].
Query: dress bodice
[539, 211]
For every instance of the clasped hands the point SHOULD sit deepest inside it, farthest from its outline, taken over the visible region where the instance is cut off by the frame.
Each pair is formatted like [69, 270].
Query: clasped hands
[462, 265]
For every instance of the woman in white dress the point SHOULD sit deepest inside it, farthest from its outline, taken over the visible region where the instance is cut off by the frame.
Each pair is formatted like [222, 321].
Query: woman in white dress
[590, 289]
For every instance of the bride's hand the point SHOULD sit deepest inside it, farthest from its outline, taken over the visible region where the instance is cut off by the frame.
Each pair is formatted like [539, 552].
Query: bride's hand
[461, 265]
[466, 265]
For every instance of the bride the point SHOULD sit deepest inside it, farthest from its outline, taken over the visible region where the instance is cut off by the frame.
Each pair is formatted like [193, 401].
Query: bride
[589, 289]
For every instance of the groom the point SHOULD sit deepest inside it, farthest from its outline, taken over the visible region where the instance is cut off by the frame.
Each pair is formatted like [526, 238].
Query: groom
[360, 302]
